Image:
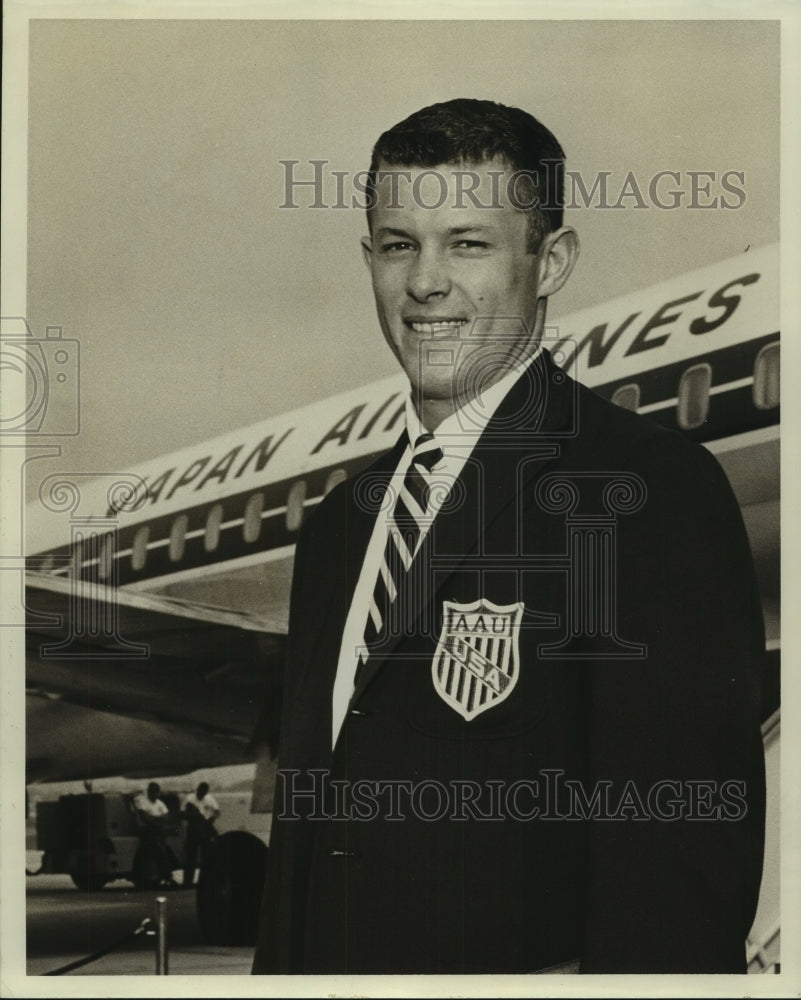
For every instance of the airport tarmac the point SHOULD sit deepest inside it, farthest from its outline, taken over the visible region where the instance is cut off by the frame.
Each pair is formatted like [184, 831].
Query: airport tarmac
[64, 924]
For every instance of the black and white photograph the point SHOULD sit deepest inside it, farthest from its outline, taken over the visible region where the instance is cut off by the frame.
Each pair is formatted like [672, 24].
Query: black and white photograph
[395, 529]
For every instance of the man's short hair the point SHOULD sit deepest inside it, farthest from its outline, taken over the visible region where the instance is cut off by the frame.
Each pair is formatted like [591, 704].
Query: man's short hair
[472, 131]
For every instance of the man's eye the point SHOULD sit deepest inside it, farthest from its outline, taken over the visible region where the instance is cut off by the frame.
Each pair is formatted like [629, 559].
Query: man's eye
[472, 245]
[397, 246]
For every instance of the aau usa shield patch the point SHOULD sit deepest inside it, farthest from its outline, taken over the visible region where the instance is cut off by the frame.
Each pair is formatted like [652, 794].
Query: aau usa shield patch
[477, 659]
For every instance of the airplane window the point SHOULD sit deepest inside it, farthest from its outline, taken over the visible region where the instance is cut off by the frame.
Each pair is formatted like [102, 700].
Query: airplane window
[251, 529]
[294, 505]
[693, 407]
[627, 396]
[139, 547]
[178, 537]
[105, 561]
[334, 479]
[212, 537]
[767, 384]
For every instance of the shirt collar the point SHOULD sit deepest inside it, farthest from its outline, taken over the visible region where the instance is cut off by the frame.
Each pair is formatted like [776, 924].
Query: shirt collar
[462, 429]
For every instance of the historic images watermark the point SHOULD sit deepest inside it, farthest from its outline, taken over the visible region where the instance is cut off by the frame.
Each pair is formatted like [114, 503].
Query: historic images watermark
[91, 568]
[314, 184]
[41, 402]
[552, 795]
[41, 381]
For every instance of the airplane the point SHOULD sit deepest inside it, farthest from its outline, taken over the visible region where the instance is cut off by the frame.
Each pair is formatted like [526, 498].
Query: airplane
[157, 600]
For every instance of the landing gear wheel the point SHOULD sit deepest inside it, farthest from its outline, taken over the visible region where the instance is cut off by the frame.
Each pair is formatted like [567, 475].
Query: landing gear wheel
[85, 877]
[230, 887]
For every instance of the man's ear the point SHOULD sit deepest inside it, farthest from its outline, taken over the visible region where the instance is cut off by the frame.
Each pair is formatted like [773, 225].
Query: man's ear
[558, 254]
[367, 251]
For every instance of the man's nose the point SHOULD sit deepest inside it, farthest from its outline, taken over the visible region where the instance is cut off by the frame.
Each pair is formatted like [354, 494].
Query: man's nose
[428, 276]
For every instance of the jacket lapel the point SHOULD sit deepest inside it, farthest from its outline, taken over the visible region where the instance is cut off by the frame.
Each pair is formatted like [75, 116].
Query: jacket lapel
[346, 525]
[362, 504]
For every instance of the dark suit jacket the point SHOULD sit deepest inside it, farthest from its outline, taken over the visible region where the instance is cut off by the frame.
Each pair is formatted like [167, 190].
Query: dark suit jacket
[637, 679]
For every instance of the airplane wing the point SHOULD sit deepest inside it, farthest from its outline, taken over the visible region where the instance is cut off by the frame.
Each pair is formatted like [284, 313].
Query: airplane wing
[183, 685]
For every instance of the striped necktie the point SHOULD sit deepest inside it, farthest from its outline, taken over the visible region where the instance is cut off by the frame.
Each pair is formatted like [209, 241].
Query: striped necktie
[404, 529]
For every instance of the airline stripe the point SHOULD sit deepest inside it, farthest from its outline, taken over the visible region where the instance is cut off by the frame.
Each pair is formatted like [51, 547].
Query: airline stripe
[714, 390]
[729, 365]
[731, 411]
[159, 543]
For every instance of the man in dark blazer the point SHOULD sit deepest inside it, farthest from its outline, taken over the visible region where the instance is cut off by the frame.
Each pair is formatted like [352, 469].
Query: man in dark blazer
[546, 755]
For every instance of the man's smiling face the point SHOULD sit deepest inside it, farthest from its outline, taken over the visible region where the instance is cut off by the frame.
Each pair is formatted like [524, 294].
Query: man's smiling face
[455, 276]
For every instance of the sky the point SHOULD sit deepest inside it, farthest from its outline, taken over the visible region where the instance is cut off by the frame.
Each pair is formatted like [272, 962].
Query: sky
[157, 237]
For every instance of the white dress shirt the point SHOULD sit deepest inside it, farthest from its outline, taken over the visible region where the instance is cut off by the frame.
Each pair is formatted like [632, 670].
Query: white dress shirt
[457, 435]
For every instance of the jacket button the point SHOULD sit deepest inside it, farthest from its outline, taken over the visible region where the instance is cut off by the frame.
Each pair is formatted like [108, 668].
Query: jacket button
[360, 711]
